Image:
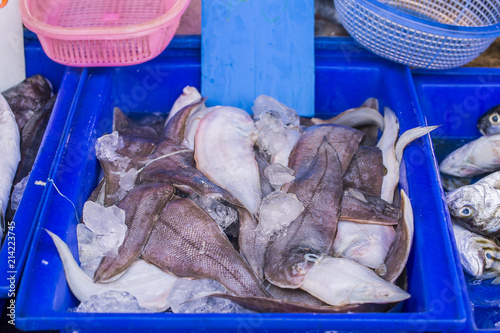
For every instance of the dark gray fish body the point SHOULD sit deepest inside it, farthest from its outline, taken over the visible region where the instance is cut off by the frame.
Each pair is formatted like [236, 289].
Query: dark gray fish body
[294, 295]
[344, 140]
[252, 247]
[31, 138]
[366, 171]
[290, 257]
[178, 167]
[265, 185]
[175, 127]
[28, 97]
[489, 123]
[261, 304]
[138, 143]
[142, 206]
[362, 207]
[187, 242]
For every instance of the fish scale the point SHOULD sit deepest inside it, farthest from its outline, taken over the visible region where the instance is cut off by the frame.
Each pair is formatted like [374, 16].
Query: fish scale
[187, 242]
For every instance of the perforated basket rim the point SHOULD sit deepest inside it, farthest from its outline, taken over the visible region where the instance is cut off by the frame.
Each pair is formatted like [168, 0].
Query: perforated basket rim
[433, 27]
[56, 32]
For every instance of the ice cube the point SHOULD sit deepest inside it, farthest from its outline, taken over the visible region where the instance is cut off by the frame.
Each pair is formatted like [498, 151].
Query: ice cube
[278, 174]
[222, 214]
[17, 193]
[111, 301]
[271, 132]
[127, 179]
[103, 232]
[277, 211]
[107, 145]
[265, 103]
[104, 220]
[187, 296]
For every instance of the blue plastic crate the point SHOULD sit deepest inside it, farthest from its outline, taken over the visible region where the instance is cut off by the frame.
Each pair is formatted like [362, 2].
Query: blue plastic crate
[345, 76]
[12, 260]
[456, 99]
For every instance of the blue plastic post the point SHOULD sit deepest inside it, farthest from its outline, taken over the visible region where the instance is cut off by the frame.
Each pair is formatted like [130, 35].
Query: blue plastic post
[254, 47]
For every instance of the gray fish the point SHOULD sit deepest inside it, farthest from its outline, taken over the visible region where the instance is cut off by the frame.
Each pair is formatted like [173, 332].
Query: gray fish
[477, 206]
[344, 140]
[479, 255]
[142, 206]
[489, 123]
[122, 153]
[294, 295]
[252, 246]
[173, 163]
[475, 158]
[262, 304]
[366, 171]
[187, 242]
[28, 97]
[319, 189]
[359, 206]
[31, 138]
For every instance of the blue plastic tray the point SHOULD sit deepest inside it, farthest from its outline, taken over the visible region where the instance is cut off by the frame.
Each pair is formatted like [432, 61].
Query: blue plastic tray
[456, 99]
[36, 63]
[345, 76]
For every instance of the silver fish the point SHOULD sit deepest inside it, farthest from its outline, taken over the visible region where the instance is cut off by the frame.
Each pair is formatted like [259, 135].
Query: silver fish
[480, 256]
[477, 206]
[489, 123]
[475, 158]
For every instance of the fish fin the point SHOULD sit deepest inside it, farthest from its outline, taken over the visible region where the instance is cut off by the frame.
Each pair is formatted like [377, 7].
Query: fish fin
[120, 120]
[409, 136]
[371, 103]
[401, 246]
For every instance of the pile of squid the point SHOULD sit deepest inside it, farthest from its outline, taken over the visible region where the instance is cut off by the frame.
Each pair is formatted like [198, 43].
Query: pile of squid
[338, 235]
[475, 208]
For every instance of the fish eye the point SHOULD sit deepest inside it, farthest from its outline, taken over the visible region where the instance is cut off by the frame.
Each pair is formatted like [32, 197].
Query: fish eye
[466, 211]
[488, 255]
[494, 118]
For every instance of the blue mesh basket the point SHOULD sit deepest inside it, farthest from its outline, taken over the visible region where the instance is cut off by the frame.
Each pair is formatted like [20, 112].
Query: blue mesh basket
[433, 34]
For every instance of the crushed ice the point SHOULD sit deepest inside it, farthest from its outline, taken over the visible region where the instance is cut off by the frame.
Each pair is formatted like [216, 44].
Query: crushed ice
[277, 211]
[103, 232]
[187, 296]
[222, 214]
[265, 103]
[111, 301]
[277, 174]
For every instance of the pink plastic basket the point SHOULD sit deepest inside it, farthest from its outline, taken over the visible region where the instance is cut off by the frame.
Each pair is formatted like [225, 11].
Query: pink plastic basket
[88, 33]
